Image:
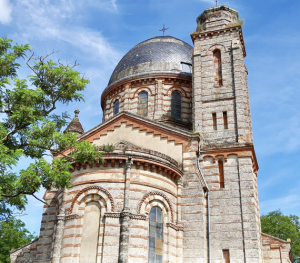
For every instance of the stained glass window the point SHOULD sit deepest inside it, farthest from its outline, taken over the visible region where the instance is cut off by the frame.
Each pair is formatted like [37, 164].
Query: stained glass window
[176, 105]
[143, 104]
[116, 107]
[156, 230]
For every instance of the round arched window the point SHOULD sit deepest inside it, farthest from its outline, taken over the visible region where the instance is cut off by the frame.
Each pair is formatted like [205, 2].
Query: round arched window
[176, 105]
[143, 104]
[156, 230]
[116, 107]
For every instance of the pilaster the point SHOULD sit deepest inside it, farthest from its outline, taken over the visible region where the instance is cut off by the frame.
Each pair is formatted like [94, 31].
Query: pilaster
[125, 217]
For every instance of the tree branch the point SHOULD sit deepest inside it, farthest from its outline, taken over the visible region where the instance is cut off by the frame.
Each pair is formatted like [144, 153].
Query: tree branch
[40, 200]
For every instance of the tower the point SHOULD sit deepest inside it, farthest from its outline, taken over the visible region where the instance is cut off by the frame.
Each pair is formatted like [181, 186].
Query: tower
[221, 114]
[158, 197]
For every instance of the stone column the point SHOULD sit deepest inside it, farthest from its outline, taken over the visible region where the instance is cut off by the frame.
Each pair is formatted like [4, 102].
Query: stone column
[125, 217]
[59, 232]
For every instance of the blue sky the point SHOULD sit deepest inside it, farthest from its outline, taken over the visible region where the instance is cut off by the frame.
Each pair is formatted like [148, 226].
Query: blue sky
[97, 33]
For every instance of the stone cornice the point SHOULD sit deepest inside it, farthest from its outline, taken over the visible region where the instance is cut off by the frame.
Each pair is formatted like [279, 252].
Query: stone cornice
[197, 35]
[172, 133]
[141, 162]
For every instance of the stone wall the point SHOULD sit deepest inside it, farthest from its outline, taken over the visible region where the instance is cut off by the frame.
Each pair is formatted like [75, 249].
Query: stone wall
[275, 250]
[159, 89]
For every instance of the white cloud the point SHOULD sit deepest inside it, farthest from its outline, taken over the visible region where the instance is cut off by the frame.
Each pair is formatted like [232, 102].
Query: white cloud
[5, 11]
[286, 204]
[114, 4]
[47, 22]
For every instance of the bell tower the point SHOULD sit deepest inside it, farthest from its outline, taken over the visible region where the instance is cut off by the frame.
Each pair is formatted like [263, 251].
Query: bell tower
[221, 114]
[221, 109]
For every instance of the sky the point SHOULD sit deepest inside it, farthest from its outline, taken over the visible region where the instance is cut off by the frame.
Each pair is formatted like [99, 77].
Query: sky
[98, 33]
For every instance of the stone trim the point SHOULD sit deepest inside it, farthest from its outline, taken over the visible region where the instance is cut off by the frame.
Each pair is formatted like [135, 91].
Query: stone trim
[169, 170]
[243, 151]
[178, 88]
[204, 34]
[119, 214]
[139, 90]
[72, 216]
[165, 131]
[142, 78]
[175, 227]
[122, 144]
[90, 188]
[153, 193]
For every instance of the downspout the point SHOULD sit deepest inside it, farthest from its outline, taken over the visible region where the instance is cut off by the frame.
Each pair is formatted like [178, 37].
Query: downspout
[208, 205]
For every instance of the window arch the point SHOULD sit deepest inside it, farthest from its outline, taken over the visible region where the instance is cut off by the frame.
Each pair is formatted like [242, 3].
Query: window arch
[217, 68]
[176, 104]
[116, 107]
[156, 230]
[143, 104]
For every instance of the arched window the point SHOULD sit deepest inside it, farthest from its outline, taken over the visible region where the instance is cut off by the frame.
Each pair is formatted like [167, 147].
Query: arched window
[217, 68]
[143, 104]
[116, 107]
[176, 105]
[156, 230]
[90, 233]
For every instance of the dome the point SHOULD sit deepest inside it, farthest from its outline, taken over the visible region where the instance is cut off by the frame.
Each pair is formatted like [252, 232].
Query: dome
[158, 54]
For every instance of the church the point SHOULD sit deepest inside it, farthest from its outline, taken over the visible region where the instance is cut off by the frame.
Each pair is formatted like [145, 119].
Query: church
[179, 179]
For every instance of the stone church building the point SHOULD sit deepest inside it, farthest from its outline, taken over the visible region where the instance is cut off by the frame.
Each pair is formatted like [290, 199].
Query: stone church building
[181, 183]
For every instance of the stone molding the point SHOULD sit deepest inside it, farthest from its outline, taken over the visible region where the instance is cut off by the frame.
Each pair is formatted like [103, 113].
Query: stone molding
[123, 214]
[142, 79]
[153, 193]
[89, 188]
[175, 227]
[171, 133]
[242, 151]
[72, 216]
[209, 34]
[122, 144]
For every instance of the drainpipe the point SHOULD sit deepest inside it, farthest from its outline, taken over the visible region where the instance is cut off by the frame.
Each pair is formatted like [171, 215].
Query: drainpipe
[208, 205]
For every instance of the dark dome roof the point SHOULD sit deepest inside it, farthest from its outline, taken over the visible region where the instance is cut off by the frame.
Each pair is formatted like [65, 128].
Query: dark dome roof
[158, 54]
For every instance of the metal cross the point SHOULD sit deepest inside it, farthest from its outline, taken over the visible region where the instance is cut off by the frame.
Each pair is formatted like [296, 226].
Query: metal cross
[164, 29]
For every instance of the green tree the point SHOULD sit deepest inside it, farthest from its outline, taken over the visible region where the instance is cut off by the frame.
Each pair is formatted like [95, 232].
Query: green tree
[278, 225]
[30, 127]
[13, 234]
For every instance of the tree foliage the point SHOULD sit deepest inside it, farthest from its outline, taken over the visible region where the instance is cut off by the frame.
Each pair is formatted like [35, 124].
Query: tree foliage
[278, 225]
[13, 234]
[29, 126]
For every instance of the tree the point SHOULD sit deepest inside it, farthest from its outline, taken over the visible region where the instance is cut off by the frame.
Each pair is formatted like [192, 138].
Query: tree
[278, 225]
[29, 126]
[13, 234]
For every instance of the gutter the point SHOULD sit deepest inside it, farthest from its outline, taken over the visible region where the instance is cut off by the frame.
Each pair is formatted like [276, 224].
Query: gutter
[208, 205]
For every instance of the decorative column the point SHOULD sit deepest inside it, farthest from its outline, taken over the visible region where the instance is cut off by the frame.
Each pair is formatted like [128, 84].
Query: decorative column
[125, 217]
[59, 232]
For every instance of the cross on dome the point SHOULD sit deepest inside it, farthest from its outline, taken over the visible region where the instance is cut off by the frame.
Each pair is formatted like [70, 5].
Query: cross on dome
[163, 29]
